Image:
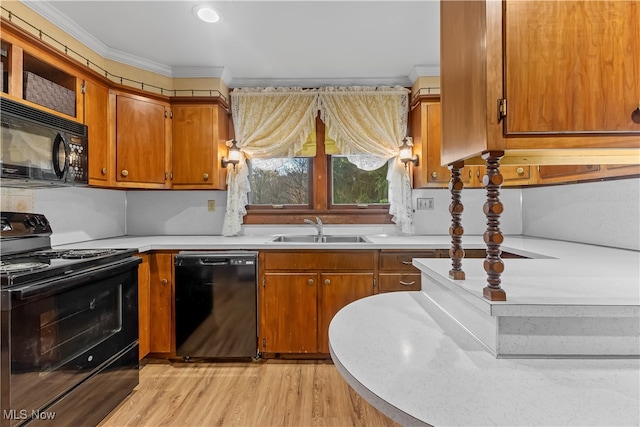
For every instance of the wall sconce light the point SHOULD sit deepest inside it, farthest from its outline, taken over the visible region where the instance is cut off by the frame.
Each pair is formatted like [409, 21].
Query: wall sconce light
[234, 154]
[406, 154]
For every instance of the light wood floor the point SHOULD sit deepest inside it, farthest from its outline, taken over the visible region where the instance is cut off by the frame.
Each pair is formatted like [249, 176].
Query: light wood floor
[262, 393]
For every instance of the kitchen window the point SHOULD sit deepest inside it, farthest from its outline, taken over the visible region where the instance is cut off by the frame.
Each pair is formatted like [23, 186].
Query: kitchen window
[341, 193]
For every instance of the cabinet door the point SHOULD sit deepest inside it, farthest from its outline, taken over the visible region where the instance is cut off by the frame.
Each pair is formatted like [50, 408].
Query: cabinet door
[144, 307]
[336, 290]
[161, 303]
[193, 144]
[571, 66]
[288, 313]
[141, 140]
[96, 112]
[427, 140]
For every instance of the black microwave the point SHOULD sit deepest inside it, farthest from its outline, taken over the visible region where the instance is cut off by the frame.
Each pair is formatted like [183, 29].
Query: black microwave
[39, 149]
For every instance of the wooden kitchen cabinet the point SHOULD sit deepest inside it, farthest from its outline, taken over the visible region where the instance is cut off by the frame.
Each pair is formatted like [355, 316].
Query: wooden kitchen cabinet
[288, 313]
[142, 140]
[144, 306]
[96, 114]
[518, 78]
[301, 291]
[396, 271]
[161, 298]
[336, 290]
[427, 144]
[200, 130]
[39, 75]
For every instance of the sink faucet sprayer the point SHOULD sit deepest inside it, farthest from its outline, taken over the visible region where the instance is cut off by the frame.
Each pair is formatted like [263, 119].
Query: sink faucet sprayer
[317, 225]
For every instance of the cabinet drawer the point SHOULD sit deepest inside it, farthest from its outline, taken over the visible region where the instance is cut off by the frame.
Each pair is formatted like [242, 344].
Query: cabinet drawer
[314, 260]
[391, 282]
[401, 261]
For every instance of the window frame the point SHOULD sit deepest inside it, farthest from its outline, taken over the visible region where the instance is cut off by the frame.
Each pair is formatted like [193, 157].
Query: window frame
[320, 199]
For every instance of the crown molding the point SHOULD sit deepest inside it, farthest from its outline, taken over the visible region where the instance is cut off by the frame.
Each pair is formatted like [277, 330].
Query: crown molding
[202, 72]
[51, 14]
[44, 9]
[424, 71]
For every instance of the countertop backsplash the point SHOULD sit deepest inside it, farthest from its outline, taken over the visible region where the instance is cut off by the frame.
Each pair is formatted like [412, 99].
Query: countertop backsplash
[603, 213]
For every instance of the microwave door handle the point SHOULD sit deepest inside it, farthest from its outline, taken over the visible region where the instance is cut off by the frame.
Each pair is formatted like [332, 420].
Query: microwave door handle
[60, 173]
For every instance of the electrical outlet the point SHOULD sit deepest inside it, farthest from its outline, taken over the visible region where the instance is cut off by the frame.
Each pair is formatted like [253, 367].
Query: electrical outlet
[211, 205]
[426, 204]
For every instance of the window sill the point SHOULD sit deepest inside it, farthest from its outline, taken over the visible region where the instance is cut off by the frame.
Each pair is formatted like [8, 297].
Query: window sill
[289, 215]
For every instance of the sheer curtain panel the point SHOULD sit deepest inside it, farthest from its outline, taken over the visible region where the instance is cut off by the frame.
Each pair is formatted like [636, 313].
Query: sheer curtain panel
[368, 125]
[269, 123]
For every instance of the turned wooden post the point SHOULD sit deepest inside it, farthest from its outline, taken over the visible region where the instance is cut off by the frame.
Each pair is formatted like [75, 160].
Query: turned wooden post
[456, 253]
[493, 264]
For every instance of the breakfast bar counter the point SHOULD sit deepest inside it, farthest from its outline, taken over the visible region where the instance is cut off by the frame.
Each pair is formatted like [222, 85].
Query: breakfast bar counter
[417, 365]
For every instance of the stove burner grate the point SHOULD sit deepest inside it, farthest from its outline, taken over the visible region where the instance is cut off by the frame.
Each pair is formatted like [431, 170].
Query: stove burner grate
[86, 253]
[13, 267]
[49, 253]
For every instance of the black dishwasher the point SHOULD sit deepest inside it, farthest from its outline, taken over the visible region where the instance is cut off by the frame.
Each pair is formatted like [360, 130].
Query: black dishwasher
[216, 304]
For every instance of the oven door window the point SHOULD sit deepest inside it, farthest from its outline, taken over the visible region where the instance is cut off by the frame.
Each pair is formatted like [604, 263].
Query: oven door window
[57, 340]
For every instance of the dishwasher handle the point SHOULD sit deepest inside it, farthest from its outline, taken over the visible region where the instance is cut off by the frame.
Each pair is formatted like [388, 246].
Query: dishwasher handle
[214, 261]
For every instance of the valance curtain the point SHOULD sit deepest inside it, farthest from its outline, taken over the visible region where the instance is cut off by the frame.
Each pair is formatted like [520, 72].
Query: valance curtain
[269, 123]
[368, 125]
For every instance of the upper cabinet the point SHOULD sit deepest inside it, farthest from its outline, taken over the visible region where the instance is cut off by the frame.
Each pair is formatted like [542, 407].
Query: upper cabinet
[200, 130]
[141, 140]
[552, 82]
[34, 74]
[427, 142]
[96, 113]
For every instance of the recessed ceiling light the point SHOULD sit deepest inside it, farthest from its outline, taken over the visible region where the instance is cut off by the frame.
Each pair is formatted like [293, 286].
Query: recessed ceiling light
[206, 13]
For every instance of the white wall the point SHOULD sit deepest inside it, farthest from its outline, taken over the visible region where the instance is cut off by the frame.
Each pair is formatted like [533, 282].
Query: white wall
[76, 214]
[438, 220]
[174, 212]
[603, 213]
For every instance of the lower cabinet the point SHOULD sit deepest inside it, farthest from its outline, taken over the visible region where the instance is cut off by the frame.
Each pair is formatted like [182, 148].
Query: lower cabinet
[300, 292]
[161, 296]
[396, 270]
[144, 307]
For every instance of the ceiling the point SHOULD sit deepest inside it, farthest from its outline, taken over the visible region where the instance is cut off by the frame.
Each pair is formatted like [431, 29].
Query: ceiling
[262, 43]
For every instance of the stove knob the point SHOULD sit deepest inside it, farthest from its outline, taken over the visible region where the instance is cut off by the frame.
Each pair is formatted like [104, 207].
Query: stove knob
[31, 222]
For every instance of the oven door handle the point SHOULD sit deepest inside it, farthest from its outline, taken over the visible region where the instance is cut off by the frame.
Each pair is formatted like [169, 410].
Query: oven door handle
[66, 282]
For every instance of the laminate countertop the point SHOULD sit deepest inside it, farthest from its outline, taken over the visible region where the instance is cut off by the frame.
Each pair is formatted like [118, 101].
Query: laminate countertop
[419, 367]
[520, 245]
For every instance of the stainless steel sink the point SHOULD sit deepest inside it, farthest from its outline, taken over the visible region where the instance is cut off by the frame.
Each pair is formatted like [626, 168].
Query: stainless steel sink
[293, 238]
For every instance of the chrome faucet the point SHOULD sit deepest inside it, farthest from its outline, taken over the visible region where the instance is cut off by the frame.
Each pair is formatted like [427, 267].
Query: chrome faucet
[318, 226]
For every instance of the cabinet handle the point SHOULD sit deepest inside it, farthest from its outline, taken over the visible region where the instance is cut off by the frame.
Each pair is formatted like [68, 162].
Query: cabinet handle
[407, 283]
[104, 171]
[124, 172]
[310, 282]
[327, 281]
[635, 115]
[434, 174]
[520, 170]
[205, 176]
[405, 262]
[164, 281]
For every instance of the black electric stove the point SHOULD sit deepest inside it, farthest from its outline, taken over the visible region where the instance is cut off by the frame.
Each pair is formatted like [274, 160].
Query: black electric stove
[27, 255]
[68, 327]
